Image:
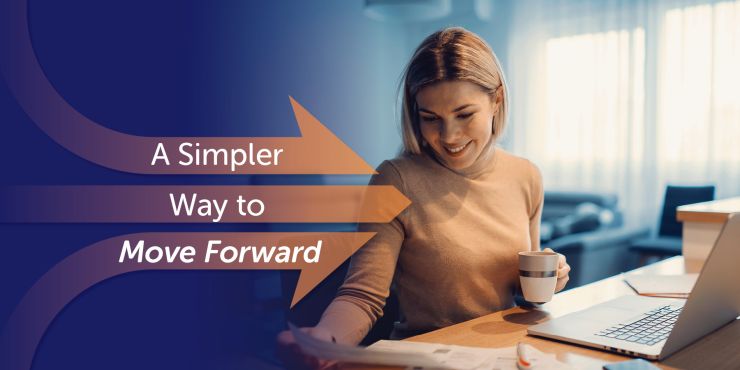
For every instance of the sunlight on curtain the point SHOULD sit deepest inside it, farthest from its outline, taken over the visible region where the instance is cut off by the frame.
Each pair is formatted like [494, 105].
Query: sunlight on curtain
[593, 114]
[627, 97]
[698, 101]
[595, 89]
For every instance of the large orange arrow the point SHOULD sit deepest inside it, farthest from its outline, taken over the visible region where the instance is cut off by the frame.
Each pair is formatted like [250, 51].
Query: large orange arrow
[100, 261]
[158, 204]
[317, 151]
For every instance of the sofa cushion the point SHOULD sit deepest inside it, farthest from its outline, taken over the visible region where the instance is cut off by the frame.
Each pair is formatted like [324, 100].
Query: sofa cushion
[583, 217]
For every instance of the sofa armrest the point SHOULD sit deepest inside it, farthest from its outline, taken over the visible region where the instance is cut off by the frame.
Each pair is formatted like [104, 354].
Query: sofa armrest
[597, 239]
[598, 254]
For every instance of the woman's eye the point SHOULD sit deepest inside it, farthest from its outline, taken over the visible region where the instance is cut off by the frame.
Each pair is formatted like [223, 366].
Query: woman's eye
[465, 115]
[428, 118]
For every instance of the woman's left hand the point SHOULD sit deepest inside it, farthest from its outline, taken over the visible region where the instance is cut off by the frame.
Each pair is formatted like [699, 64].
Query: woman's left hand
[563, 271]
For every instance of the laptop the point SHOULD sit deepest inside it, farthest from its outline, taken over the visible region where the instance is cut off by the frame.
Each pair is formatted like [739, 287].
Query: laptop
[655, 328]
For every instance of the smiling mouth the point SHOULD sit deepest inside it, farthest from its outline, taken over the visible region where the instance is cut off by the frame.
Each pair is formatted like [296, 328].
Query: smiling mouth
[456, 151]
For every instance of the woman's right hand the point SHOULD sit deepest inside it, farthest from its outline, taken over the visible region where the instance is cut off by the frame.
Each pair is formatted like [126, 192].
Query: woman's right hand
[292, 356]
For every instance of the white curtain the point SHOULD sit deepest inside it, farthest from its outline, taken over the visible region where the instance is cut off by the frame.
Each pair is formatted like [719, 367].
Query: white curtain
[627, 96]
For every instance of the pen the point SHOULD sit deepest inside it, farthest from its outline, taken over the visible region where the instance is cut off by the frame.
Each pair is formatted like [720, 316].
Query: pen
[523, 361]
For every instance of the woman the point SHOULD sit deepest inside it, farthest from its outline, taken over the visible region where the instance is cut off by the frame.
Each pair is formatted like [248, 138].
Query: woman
[452, 254]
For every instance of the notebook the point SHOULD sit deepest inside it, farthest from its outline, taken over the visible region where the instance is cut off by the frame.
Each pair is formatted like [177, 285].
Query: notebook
[668, 286]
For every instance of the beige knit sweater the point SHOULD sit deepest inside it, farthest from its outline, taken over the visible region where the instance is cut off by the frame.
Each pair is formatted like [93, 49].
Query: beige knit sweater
[452, 254]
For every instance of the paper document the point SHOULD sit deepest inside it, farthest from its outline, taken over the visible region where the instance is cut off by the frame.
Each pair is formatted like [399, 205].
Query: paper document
[473, 358]
[427, 356]
[362, 355]
[670, 286]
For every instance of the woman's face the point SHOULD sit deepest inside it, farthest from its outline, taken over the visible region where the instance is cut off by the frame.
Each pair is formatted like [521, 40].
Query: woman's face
[456, 120]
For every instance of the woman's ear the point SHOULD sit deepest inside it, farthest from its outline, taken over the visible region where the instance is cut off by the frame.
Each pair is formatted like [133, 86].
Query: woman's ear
[498, 99]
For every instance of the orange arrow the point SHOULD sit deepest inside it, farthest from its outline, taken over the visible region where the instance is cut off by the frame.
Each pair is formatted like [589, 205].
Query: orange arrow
[100, 261]
[318, 151]
[201, 204]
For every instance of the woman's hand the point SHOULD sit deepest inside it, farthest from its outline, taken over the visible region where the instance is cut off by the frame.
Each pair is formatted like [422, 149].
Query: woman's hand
[563, 271]
[292, 356]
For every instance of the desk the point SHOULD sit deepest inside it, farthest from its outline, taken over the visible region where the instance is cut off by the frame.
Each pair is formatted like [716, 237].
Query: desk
[702, 223]
[715, 211]
[718, 350]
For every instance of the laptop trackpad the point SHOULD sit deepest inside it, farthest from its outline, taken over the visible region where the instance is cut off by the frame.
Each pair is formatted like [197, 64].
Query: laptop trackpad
[588, 321]
[608, 314]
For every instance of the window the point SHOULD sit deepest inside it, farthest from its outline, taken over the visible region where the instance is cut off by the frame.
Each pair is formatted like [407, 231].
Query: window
[698, 84]
[595, 96]
[627, 97]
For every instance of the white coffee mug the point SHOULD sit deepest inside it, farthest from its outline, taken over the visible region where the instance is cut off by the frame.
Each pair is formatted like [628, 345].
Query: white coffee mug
[538, 275]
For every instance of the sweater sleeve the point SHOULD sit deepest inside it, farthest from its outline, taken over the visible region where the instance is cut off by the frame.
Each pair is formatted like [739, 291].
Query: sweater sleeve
[361, 298]
[535, 215]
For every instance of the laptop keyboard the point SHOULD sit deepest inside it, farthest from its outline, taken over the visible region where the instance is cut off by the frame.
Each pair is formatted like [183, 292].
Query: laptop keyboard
[651, 328]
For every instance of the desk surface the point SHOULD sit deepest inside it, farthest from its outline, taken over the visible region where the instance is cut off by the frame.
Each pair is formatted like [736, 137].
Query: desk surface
[506, 328]
[715, 211]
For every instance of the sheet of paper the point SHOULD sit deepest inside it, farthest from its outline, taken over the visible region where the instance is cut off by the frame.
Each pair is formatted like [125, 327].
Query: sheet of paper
[456, 357]
[473, 358]
[677, 286]
[362, 355]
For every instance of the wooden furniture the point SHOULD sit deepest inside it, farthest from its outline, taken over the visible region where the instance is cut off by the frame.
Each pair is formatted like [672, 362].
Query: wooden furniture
[506, 328]
[702, 223]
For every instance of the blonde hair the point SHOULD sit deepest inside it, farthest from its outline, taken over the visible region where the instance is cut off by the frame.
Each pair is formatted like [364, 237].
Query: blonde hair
[450, 54]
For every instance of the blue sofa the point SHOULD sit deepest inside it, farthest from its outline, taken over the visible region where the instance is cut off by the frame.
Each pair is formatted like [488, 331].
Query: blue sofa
[588, 228]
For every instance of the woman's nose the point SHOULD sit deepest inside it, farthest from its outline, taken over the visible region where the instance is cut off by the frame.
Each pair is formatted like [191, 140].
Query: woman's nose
[448, 132]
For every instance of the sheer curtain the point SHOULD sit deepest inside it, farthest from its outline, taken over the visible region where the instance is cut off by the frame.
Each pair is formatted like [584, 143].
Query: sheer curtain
[627, 96]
